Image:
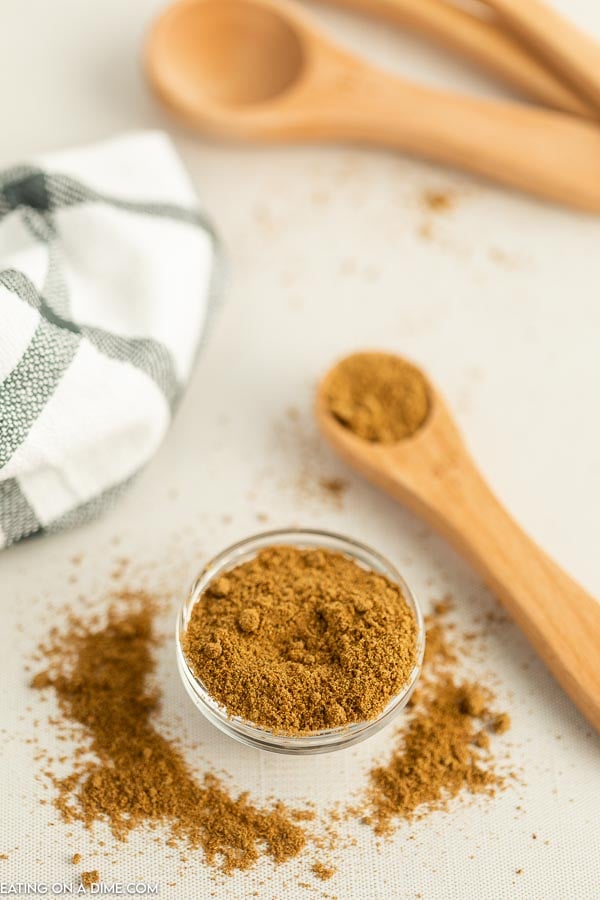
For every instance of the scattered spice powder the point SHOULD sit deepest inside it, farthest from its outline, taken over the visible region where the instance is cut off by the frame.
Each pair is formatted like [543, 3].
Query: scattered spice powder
[501, 723]
[322, 871]
[442, 750]
[334, 486]
[379, 396]
[41, 680]
[90, 878]
[101, 672]
[305, 464]
[301, 640]
[438, 201]
[101, 676]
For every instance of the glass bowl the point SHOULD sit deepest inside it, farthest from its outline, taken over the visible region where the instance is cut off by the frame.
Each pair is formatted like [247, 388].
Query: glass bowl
[316, 741]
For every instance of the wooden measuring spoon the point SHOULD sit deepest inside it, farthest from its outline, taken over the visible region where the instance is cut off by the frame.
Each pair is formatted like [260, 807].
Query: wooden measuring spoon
[480, 41]
[565, 48]
[260, 70]
[433, 475]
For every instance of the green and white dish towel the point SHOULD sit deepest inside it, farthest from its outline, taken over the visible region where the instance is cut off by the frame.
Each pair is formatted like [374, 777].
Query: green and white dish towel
[107, 280]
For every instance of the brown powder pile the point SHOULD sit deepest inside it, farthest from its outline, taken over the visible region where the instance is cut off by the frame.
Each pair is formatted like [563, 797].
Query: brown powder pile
[443, 750]
[101, 675]
[302, 640]
[379, 396]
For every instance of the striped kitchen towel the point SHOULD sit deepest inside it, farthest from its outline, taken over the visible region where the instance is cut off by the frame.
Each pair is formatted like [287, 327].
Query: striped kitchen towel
[107, 279]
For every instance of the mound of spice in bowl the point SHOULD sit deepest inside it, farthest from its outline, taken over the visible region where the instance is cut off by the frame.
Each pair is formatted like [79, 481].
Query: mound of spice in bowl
[298, 640]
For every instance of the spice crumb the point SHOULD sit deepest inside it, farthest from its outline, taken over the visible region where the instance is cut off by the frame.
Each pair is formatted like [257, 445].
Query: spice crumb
[335, 486]
[438, 201]
[444, 606]
[90, 878]
[322, 871]
[472, 701]
[482, 740]
[76, 859]
[249, 620]
[221, 587]
[41, 680]
[501, 723]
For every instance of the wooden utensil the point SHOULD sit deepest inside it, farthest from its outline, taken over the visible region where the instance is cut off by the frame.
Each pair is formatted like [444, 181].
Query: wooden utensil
[565, 48]
[260, 70]
[480, 41]
[433, 475]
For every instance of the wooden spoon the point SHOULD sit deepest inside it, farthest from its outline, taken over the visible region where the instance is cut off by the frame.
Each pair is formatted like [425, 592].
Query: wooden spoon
[564, 47]
[260, 70]
[433, 475]
[481, 41]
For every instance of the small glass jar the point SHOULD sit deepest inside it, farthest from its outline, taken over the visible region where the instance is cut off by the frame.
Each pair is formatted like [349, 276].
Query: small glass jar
[318, 741]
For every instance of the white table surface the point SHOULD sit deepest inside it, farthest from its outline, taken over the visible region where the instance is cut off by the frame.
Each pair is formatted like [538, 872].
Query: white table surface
[501, 308]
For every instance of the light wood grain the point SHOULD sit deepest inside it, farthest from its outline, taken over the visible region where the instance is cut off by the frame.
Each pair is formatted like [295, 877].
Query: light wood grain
[480, 41]
[434, 476]
[564, 46]
[260, 70]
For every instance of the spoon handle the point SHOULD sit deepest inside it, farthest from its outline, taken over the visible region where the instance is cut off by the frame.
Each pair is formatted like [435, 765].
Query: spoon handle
[558, 41]
[480, 41]
[560, 619]
[546, 153]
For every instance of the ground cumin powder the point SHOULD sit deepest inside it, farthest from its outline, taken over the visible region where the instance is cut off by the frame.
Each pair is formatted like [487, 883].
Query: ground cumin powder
[443, 749]
[101, 676]
[301, 640]
[379, 396]
[125, 773]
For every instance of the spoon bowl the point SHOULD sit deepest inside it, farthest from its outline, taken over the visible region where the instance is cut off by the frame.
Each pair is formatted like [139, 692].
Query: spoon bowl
[228, 53]
[428, 456]
[223, 64]
[261, 70]
[432, 473]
